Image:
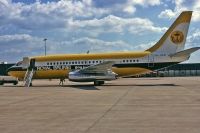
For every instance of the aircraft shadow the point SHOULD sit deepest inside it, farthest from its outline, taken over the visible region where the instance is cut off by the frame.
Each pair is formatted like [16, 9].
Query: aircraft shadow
[142, 85]
[82, 87]
[92, 87]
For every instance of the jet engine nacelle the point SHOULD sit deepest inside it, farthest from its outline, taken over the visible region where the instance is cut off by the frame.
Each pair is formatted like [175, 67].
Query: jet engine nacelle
[76, 76]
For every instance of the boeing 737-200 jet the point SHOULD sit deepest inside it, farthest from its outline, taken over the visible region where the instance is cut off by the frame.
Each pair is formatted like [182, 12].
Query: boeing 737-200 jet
[100, 67]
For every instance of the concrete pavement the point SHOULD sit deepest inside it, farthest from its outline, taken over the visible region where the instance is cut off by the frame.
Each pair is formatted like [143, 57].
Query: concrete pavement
[143, 105]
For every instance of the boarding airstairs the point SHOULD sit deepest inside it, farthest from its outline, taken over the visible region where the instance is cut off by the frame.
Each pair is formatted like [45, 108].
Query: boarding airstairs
[28, 77]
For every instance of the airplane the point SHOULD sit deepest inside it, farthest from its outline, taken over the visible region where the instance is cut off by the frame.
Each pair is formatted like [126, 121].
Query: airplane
[101, 67]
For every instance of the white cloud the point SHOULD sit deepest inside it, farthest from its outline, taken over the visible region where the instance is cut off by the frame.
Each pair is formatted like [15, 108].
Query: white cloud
[145, 2]
[20, 45]
[193, 39]
[182, 5]
[196, 9]
[96, 45]
[14, 47]
[66, 13]
[168, 13]
[129, 9]
[130, 5]
[179, 7]
[47, 15]
[23, 42]
[118, 25]
[16, 37]
[5, 2]
[87, 2]
[82, 45]
[82, 25]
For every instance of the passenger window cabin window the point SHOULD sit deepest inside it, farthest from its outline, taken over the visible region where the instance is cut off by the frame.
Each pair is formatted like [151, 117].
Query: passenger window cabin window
[93, 62]
[72, 62]
[130, 60]
[54, 63]
[97, 61]
[137, 60]
[50, 63]
[47, 63]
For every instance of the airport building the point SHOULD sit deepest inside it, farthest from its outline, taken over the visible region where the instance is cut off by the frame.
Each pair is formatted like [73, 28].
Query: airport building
[179, 70]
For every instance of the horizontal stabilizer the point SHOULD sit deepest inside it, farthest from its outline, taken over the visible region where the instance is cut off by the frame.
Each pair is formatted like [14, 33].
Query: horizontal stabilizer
[186, 52]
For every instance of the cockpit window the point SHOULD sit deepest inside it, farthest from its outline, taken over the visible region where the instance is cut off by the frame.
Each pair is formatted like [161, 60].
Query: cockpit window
[19, 63]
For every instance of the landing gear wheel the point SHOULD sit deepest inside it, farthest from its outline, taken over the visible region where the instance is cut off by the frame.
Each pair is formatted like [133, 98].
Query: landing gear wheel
[31, 84]
[98, 83]
[15, 83]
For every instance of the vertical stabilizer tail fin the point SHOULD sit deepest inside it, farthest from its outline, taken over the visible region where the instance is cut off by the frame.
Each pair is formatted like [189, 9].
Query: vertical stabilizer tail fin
[174, 38]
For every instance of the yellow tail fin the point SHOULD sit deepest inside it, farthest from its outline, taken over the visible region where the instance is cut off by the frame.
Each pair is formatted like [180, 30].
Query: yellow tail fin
[174, 39]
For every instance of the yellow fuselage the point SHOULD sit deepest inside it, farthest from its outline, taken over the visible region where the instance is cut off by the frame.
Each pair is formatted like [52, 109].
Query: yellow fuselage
[52, 60]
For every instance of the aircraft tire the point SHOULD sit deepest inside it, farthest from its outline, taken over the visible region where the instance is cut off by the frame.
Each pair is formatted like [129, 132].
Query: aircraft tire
[98, 83]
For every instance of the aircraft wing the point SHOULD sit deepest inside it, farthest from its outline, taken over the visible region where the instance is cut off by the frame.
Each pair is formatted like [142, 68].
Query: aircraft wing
[99, 68]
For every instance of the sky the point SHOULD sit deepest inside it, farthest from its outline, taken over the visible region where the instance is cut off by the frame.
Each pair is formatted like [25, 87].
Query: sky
[76, 26]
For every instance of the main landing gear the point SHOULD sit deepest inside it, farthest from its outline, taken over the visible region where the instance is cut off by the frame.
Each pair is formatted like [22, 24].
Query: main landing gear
[98, 83]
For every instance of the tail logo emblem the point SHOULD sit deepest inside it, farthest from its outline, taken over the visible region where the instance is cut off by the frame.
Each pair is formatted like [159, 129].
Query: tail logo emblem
[177, 37]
